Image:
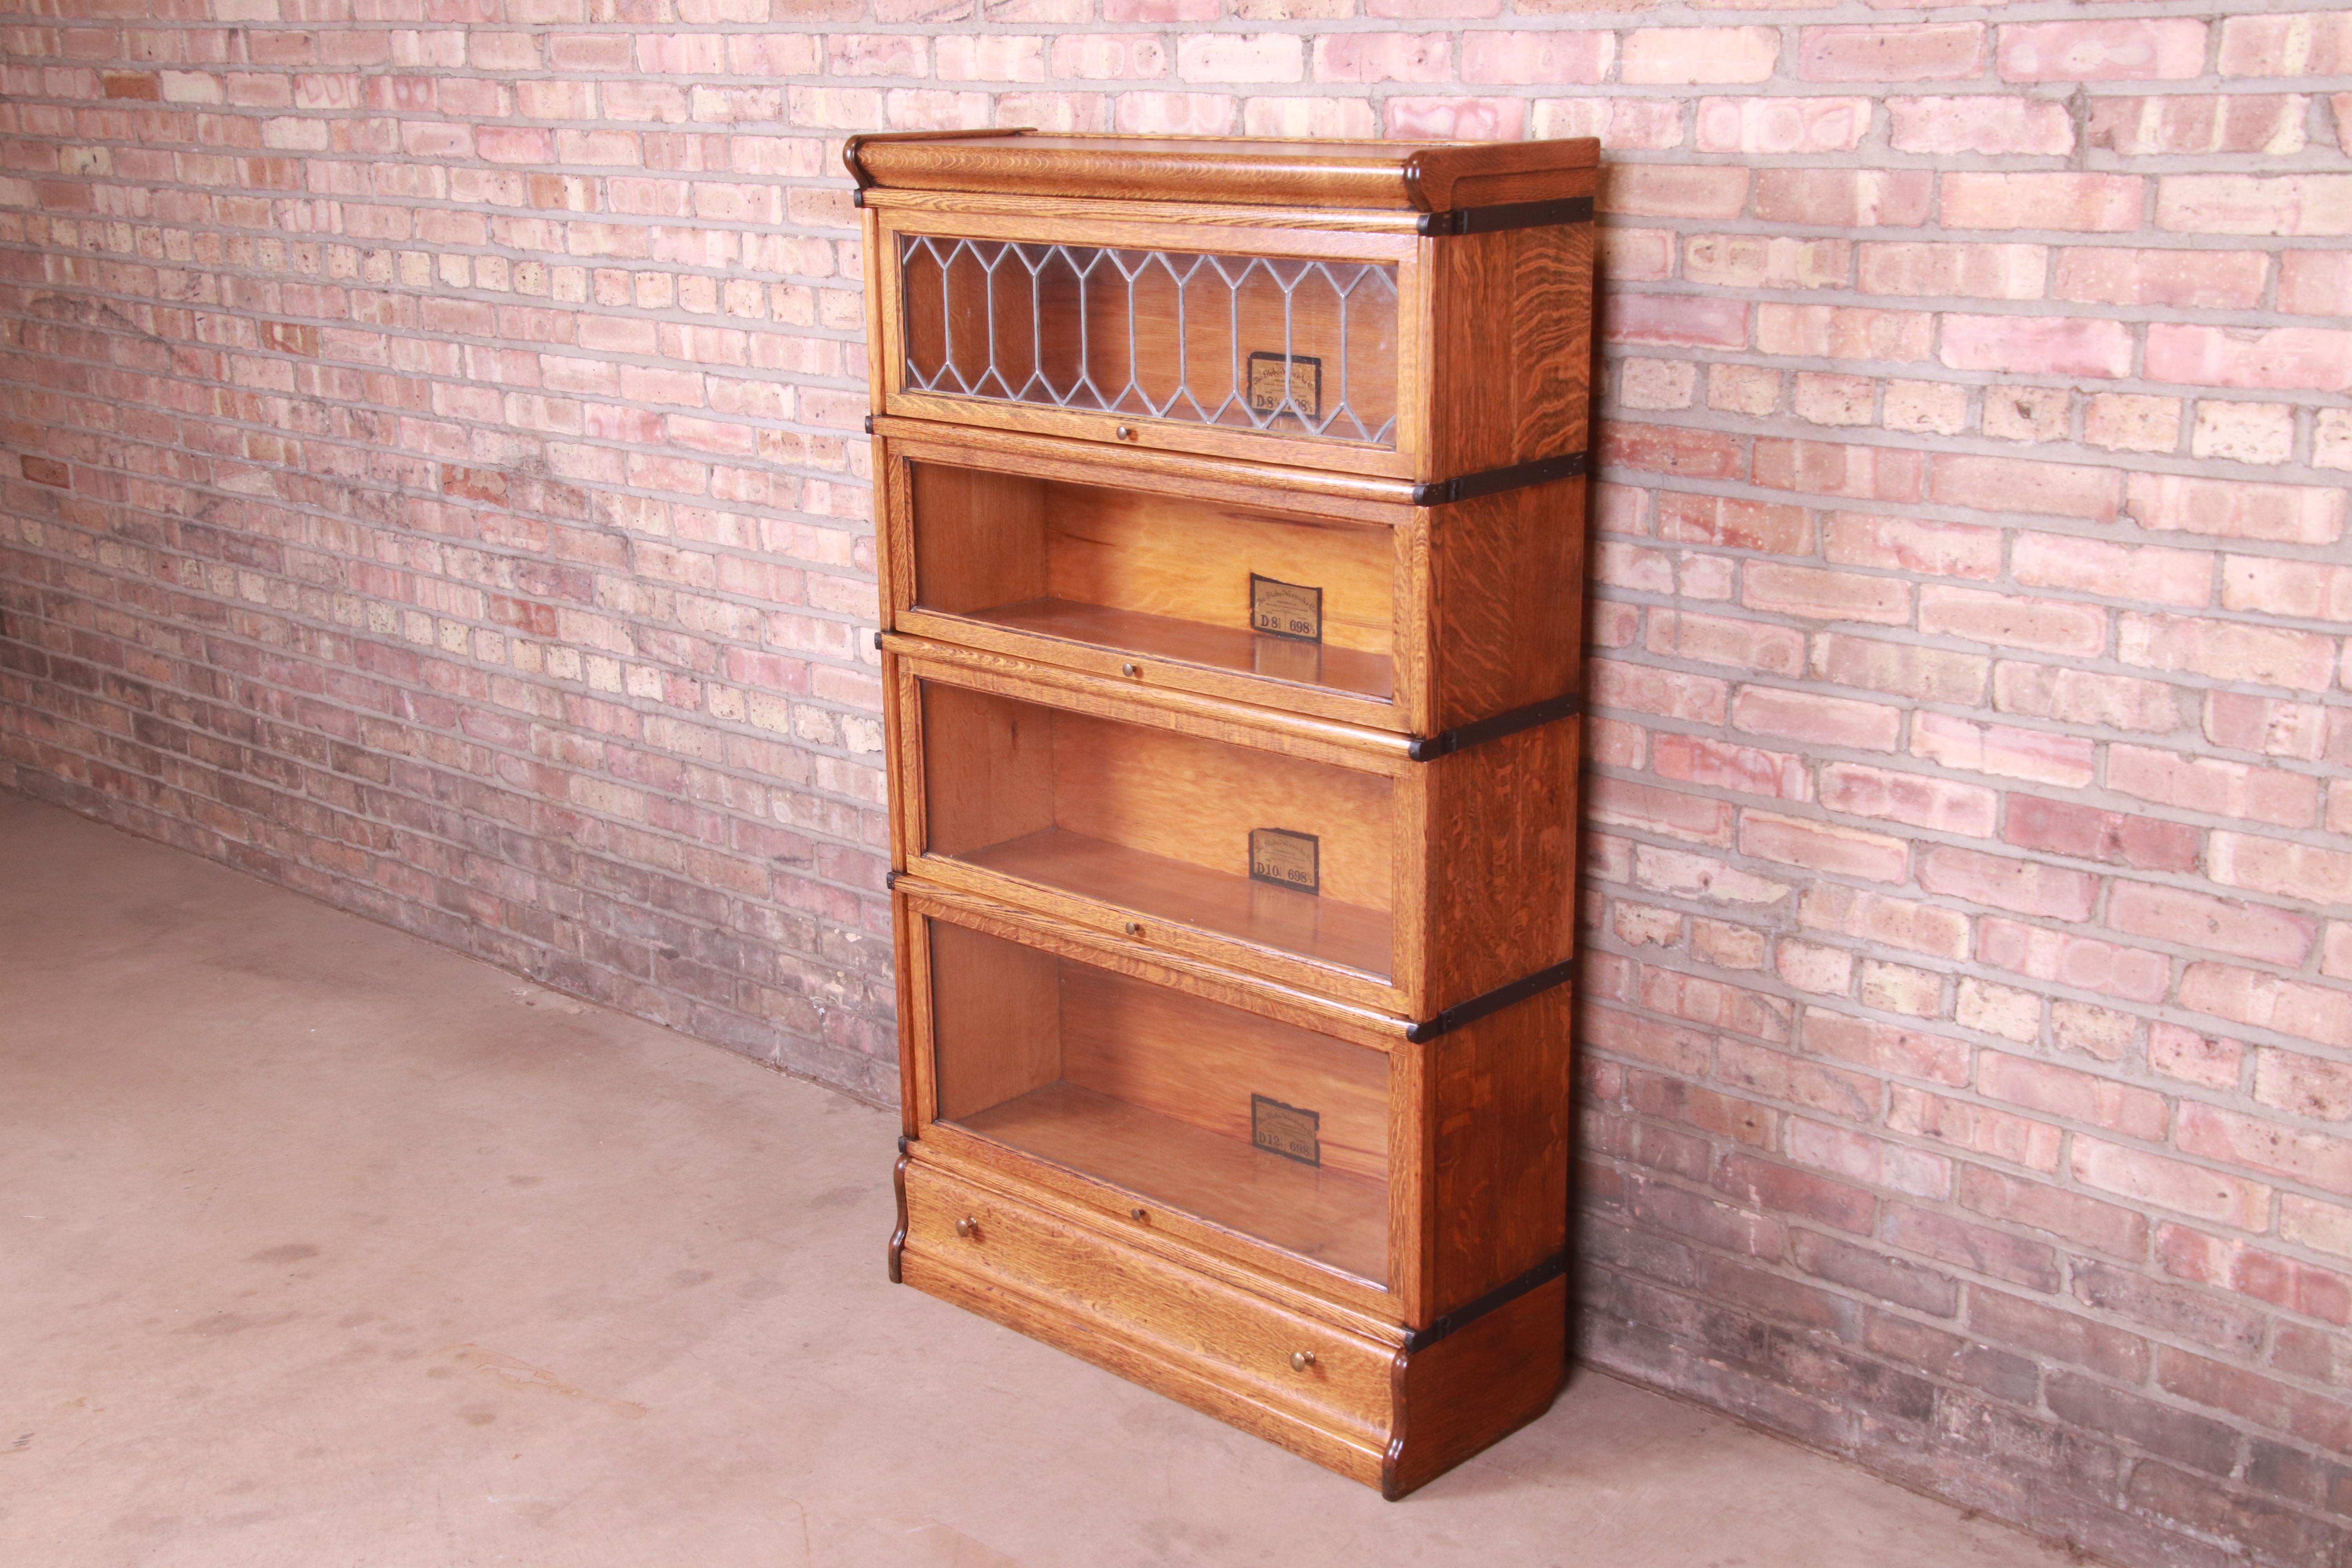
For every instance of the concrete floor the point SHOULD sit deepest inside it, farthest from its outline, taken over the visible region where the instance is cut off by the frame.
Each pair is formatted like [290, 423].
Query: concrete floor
[322, 1246]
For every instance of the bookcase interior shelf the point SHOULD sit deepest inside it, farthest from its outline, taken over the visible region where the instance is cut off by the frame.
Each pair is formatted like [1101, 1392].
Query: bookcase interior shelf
[1153, 1092]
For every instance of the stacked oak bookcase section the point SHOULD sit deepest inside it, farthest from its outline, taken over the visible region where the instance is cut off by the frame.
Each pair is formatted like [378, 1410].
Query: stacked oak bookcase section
[1232, 535]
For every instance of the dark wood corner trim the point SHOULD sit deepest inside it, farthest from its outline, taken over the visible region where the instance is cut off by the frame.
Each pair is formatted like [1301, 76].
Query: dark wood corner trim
[1507, 214]
[1494, 1001]
[1494, 481]
[1445, 742]
[1503, 1295]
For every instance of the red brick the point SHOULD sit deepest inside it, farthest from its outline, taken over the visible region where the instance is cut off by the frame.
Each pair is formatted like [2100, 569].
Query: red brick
[1715, 639]
[1716, 1006]
[2059, 1333]
[1977, 271]
[1779, 1189]
[2153, 48]
[1781, 125]
[2087, 1221]
[1824, 720]
[1736, 524]
[1906, 544]
[1978, 1248]
[2026, 887]
[1978, 1129]
[2290, 870]
[1717, 764]
[1666, 448]
[1676, 319]
[2304, 1086]
[1936, 51]
[1883, 1047]
[2171, 1184]
[1674, 57]
[2193, 1058]
[2083, 697]
[1671, 190]
[2081, 963]
[2067, 827]
[1816, 595]
[1821, 847]
[1429, 57]
[1830, 331]
[1701, 700]
[1670, 812]
[2107, 204]
[2317, 43]
[1875, 918]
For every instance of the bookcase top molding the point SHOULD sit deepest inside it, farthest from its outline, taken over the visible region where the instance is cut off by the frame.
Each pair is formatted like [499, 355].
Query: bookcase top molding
[1401, 176]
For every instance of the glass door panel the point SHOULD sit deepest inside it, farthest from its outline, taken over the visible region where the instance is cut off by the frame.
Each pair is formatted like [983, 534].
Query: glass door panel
[1286, 346]
[1251, 593]
[1258, 1126]
[1273, 849]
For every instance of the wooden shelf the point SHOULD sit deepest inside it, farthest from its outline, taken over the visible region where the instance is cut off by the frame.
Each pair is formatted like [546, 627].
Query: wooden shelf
[1329, 1215]
[1344, 670]
[1157, 887]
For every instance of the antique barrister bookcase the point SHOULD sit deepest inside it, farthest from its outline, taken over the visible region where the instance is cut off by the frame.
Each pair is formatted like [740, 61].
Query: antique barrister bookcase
[1230, 523]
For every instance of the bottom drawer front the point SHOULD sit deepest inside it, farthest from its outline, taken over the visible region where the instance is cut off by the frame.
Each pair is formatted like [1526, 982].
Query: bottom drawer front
[1105, 1287]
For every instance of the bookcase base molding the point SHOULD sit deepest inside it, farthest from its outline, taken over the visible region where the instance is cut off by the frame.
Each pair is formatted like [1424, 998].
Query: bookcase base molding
[1230, 537]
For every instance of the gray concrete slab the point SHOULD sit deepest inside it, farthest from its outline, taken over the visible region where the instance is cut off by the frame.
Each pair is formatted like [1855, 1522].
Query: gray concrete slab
[320, 1246]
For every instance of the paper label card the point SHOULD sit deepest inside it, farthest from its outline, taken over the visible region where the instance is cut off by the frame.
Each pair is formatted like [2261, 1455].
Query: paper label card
[1273, 391]
[1286, 859]
[1286, 1131]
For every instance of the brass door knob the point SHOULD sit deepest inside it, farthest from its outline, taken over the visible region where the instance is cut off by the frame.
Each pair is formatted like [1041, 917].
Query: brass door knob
[1301, 1360]
[967, 1226]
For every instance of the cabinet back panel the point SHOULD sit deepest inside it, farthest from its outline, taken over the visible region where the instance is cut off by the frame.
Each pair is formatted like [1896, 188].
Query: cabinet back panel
[980, 538]
[1196, 800]
[1199, 1062]
[988, 769]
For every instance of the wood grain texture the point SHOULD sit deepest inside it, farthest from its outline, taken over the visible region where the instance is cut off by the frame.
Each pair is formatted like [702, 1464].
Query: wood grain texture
[1500, 1149]
[1500, 835]
[1470, 1390]
[1511, 344]
[1506, 593]
[997, 1007]
[1423, 176]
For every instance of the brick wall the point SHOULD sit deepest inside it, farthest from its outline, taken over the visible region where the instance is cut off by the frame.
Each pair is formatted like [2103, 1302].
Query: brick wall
[431, 480]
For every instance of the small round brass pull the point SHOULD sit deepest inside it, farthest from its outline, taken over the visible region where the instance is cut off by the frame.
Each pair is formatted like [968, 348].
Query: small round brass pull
[1138, 1215]
[1125, 432]
[1301, 1360]
[1132, 929]
[1130, 670]
[967, 1226]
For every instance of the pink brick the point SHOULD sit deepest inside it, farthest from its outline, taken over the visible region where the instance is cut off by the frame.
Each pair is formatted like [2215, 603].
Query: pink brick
[2304, 205]
[1544, 59]
[1669, 812]
[2130, 422]
[1975, 1129]
[2287, 514]
[2000, 749]
[1820, 595]
[1874, 917]
[2171, 1184]
[1405, 57]
[1759, 261]
[1457, 119]
[2081, 963]
[1874, 1162]
[1992, 125]
[1695, 320]
[2113, 571]
[1917, 799]
[2278, 357]
[2037, 345]
[1823, 971]
[1670, 190]
[1826, 468]
[1906, 544]
[2185, 123]
[1845, 198]
[1109, 56]
[2063, 1091]
[2025, 887]
[2193, 1058]
[1978, 272]
[2307, 44]
[2156, 48]
[1899, 670]
[1832, 331]
[2245, 722]
[1677, 56]
[2315, 283]
[1717, 764]
[1224, 59]
[2090, 832]
[1935, 51]
[2260, 1001]
[1717, 639]
[1821, 847]
[2315, 1159]
[2007, 484]
[2268, 585]
[2202, 923]
[2289, 870]
[2098, 203]
[2102, 1227]
[2010, 620]
[2323, 1227]
[2185, 279]
[1827, 721]
[1781, 125]
[2226, 650]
